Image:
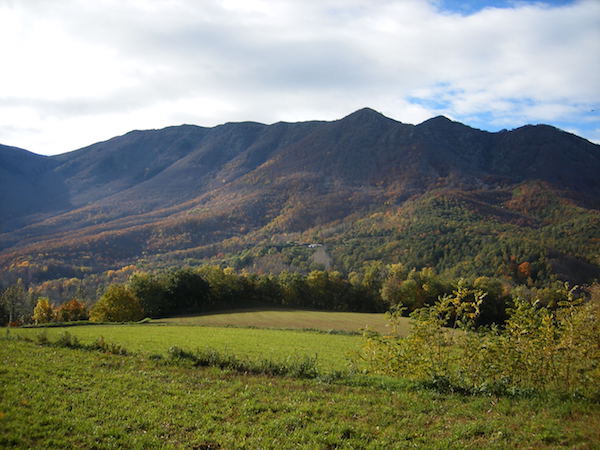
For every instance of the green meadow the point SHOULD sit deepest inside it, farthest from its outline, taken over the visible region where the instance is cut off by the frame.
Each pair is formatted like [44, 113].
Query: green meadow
[57, 397]
[231, 332]
[332, 350]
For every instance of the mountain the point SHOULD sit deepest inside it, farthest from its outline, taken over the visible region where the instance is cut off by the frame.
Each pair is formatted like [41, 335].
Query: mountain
[439, 193]
[28, 186]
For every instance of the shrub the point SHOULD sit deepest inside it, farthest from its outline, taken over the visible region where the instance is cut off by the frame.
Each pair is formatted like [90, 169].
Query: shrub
[68, 340]
[42, 338]
[539, 349]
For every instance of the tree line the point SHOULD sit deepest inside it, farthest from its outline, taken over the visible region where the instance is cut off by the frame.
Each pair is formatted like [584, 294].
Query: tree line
[375, 288]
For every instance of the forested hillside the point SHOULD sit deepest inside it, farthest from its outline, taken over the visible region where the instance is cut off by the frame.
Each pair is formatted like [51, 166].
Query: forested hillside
[520, 205]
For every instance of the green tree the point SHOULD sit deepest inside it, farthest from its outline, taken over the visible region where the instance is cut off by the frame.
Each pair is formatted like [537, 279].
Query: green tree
[294, 289]
[187, 290]
[223, 286]
[414, 289]
[391, 288]
[118, 304]
[16, 303]
[151, 289]
[497, 300]
[43, 312]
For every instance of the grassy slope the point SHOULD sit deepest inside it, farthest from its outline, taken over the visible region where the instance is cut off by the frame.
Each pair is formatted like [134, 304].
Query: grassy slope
[331, 350]
[56, 397]
[289, 318]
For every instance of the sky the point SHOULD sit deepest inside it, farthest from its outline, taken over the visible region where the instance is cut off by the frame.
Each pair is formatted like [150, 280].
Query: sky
[75, 72]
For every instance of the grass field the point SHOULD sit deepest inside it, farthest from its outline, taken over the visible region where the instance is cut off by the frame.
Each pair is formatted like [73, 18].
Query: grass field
[226, 332]
[57, 397]
[332, 350]
[290, 318]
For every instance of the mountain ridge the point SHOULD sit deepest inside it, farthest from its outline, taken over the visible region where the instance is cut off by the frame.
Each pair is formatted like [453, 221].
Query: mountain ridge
[152, 192]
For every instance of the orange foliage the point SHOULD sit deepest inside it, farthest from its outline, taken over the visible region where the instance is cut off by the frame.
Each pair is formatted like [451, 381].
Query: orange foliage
[71, 311]
[524, 270]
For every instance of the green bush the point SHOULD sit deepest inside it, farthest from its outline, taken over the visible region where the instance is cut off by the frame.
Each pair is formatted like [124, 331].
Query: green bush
[67, 340]
[539, 349]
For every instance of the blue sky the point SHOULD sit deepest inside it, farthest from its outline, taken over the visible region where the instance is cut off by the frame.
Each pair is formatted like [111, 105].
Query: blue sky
[75, 72]
[473, 6]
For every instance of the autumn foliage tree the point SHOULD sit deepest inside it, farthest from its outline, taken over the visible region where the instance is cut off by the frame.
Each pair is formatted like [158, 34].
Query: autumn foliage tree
[43, 311]
[118, 304]
[71, 311]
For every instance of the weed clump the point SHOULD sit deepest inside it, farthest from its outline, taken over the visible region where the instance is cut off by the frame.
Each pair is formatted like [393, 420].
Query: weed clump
[108, 347]
[68, 340]
[42, 338]
[297, 367]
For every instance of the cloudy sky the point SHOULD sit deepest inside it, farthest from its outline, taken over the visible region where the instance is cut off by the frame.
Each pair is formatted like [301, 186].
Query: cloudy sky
[74, 72]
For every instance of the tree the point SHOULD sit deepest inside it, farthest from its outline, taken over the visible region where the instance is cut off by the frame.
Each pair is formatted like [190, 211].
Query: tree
[294, 289]
[225, 287]
[391, 287]
[118, 304]
[187, 290]
[43, 312]
[151, 289]
[71, 311]
[419, 288]
[3, 312]
[497, 300]
[16, 303]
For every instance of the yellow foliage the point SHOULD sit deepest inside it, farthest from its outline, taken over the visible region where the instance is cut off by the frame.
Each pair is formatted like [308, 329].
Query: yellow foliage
[118, 304]
[43, 312]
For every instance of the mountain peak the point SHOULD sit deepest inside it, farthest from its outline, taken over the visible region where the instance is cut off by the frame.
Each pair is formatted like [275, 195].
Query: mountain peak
[365, 114]
[436, 121]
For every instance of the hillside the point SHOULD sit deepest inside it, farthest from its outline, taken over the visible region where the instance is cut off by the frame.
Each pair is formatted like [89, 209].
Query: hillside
[251, 195]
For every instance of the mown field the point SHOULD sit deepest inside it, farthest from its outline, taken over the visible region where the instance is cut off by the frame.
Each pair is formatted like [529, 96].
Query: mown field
[52, 396]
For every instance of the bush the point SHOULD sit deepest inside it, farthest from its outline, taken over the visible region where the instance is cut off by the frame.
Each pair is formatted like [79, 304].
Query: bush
[539, 349]
[108, 347]
[68, 340]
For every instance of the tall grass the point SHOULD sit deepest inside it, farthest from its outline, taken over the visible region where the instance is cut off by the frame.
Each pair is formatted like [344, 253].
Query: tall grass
[297, 367]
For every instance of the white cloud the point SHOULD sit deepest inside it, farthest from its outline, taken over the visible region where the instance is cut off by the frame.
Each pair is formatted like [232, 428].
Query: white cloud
[78, 71]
